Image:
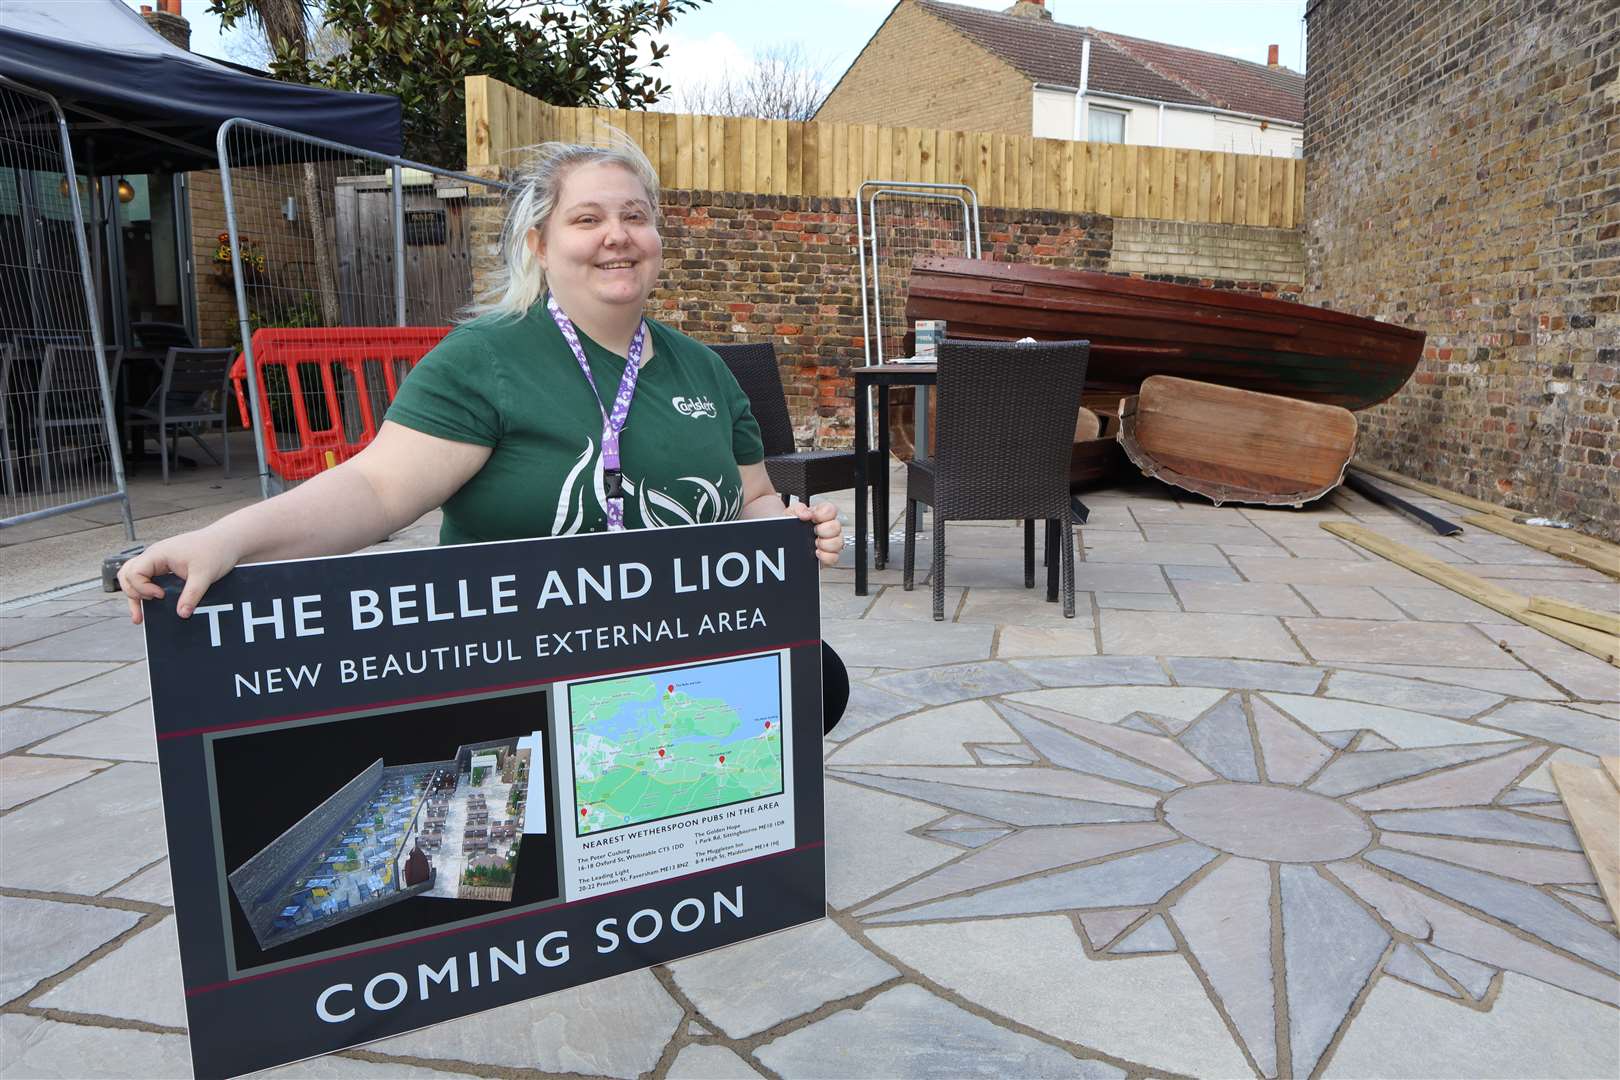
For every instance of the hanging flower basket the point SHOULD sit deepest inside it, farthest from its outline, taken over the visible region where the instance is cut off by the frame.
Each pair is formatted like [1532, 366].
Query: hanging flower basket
[253, 263]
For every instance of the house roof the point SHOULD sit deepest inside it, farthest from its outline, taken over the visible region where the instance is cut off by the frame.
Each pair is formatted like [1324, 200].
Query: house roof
[1049, 52]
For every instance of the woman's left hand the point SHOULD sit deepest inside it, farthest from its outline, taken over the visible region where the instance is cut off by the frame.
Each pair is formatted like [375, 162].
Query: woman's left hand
[829, 531]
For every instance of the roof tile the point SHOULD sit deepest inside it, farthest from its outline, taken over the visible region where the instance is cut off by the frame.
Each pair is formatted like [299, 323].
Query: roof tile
[1049, 52]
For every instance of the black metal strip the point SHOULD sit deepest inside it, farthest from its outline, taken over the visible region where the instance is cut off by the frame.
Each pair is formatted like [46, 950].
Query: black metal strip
[1362, 486]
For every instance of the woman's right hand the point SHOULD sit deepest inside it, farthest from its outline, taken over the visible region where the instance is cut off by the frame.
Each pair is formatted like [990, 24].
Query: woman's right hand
[198, 557]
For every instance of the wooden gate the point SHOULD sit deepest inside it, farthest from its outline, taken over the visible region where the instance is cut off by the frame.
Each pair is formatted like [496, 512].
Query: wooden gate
[438, 270]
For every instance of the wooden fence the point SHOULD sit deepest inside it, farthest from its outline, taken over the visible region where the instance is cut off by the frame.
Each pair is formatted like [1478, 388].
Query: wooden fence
[781, 157]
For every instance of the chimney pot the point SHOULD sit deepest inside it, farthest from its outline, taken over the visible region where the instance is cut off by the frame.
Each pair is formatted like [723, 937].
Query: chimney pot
[1030, 9]
[1271, 50]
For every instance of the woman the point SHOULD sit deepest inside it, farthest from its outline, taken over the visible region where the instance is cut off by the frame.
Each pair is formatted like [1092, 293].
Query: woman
[559, 409]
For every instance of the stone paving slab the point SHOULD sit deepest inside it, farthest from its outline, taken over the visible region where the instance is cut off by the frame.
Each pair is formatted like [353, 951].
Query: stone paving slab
[126, 735]
[617, 1027]
[870, 848]
[57, 936]
[23, 779]
[907, 644]
[1074, 638]
[1179, 554]
[21, 680]
[1245, 598]
[24, 725]
[23, 629]
[976, 820]
[1454, 701]
[87, 837]
[908, 1032]
[1137, 601]
[32, 1046]
[103, 693]
[1353, 601]
[1120, 1009]
[140, 981]
[754, 986]
[1150, 633]
[154, 885]
[1244, 674]
[114, 639]
[706, 1062]
[1333, 641]
[1411, 1033]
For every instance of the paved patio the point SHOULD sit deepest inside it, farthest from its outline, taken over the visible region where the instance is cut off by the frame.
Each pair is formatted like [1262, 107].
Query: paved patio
[1268, 805]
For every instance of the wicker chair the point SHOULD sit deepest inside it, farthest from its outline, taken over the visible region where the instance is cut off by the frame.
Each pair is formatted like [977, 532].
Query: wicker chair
[195, 392]
[800, 473]
[69, 399]
[1004, 430]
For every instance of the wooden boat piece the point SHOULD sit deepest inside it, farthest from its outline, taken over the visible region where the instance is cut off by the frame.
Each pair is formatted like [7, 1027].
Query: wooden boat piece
[1139, 328]
[1234, 445]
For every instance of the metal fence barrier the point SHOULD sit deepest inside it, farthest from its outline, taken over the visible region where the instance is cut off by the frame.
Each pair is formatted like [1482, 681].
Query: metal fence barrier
[59, 446]
[319, 234]
[896, 221]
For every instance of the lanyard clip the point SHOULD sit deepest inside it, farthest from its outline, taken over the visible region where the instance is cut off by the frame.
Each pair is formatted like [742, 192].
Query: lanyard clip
[613, 483]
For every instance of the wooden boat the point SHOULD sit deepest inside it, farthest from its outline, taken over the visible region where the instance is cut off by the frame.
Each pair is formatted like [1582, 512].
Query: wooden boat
[1232, 445]
[1140, 328]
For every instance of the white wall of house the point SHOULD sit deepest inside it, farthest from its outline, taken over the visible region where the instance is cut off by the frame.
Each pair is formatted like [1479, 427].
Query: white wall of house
[1053, 116]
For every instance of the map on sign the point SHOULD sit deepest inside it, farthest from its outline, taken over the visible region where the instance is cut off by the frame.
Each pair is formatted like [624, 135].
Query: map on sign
[657, 745]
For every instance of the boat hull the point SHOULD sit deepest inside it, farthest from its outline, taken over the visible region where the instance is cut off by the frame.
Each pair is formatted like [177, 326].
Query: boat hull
[1232, 445]
[1140, 328]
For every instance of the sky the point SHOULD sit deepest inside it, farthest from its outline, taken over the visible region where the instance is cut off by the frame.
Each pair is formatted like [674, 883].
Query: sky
[725, 34]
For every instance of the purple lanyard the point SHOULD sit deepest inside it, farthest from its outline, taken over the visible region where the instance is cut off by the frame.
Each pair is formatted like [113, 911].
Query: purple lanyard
[612, 423]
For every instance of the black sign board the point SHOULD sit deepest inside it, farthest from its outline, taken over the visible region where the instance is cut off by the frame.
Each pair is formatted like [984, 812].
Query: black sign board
[408, 786]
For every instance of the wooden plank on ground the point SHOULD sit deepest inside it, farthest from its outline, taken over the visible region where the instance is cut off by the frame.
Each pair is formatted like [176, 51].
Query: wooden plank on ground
[1587, 550]
[1605, 647]
[1560, 609]
[1593, 803]
[1452, 497]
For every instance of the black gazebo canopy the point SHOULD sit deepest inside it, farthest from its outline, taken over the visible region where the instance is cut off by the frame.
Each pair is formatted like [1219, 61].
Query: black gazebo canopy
[136, 103]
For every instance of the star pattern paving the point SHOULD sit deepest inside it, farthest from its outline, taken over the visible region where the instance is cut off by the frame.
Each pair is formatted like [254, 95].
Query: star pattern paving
[1412, 851]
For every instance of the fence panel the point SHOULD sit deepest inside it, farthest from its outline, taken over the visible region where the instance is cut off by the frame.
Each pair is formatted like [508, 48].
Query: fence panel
[321, 235]
[779, 157]
[59, 446]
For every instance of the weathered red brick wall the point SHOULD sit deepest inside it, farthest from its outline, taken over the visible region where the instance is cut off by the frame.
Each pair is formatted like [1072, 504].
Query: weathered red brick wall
[783, 269]
[1463, 177]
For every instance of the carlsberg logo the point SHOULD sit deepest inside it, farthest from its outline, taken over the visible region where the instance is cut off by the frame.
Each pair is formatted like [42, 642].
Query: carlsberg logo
[693, 407]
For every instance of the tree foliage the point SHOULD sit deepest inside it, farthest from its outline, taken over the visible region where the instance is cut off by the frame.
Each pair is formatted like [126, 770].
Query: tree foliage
[588, 52]
[782, 84]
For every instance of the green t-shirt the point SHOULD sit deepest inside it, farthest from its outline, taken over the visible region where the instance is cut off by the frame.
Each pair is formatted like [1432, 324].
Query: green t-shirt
[514, 386]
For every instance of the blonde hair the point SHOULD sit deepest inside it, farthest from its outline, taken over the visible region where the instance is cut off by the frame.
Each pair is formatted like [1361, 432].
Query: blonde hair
[520, 281]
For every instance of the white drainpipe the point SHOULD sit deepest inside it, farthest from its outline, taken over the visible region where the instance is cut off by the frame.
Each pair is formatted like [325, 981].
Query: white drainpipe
[1081, 131]
[1161, 123]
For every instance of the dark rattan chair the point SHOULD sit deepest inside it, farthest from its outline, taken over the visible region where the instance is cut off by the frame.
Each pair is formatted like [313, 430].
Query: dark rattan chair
[1004, 430]
[800, 473]
[69, 400]
[194, 393]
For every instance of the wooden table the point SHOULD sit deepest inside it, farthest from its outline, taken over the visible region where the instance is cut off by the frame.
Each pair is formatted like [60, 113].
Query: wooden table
[880, 376]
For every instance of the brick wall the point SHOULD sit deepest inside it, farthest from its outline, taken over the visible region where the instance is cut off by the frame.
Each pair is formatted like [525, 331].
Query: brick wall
[1197, 250]
[783, 269]
[1463, 177]
[918, 71]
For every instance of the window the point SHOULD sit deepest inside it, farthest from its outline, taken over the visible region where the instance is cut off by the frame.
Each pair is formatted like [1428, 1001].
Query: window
[1105, 125]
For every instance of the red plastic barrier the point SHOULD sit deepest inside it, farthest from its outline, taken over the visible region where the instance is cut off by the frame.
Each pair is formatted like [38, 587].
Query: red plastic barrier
[351, 365]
